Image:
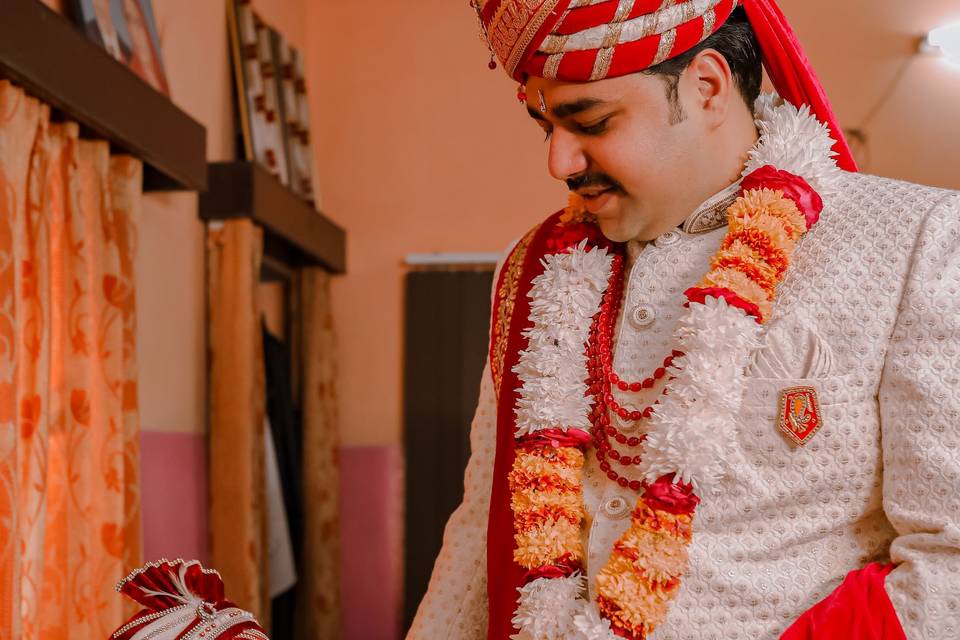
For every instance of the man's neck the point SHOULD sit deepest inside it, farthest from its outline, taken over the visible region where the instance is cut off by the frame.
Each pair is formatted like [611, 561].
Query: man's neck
[728, 156]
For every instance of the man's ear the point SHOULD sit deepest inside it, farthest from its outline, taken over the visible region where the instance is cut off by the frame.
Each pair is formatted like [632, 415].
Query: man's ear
[713, 83]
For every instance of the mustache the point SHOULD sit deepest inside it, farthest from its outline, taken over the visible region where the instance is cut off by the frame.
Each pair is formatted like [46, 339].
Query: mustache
[592, 180]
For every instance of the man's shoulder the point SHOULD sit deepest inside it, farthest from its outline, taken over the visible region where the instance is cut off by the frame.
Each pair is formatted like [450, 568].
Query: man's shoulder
[889, 196]
[886, 210]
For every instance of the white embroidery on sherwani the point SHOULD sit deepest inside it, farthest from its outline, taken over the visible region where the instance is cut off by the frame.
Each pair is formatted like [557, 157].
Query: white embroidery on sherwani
[792, 348]
[878, 282]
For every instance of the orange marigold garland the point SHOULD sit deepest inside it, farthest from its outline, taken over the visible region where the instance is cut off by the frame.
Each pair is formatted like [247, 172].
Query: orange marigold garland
[765, 225]
[546, 485]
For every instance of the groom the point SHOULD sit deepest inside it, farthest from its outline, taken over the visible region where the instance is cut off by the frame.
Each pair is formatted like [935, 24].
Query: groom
[723, 389]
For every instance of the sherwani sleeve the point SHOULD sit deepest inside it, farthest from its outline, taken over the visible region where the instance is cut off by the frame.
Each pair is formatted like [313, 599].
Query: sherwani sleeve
[917, 596]
[455, 605]
[920, 421]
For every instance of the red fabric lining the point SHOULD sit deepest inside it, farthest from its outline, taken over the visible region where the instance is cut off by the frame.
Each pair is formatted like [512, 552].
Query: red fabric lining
[859, 609]
[504, 576]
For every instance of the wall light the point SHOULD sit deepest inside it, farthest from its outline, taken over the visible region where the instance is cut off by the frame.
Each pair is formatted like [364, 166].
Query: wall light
[946, 41]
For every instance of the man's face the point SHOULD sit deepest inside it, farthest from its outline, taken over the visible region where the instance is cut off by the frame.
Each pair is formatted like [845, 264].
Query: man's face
[624, 146]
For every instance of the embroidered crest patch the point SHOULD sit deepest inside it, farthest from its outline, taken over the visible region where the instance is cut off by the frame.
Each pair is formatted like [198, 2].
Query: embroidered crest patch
[800, 416]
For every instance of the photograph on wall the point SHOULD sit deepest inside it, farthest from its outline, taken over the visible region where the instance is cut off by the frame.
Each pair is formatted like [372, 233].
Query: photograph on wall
[127, 30]
[255, 78]
[301, 150]
[292, 98]
[278, 47]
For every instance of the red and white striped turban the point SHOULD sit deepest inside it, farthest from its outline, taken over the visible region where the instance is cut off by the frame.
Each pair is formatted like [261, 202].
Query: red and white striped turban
[586, 40]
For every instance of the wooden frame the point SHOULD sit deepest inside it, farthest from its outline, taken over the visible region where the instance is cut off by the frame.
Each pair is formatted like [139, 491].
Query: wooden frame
[53, 60]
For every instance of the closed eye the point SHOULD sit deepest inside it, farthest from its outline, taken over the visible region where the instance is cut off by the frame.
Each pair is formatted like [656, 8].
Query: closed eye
[594, 129]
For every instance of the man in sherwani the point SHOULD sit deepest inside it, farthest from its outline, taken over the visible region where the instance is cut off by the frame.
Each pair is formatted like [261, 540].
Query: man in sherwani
[723, 389]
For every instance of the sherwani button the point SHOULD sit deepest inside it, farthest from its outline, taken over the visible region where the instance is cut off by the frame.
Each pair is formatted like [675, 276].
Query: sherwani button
[667, 239]
[643, 315]
[616, 507]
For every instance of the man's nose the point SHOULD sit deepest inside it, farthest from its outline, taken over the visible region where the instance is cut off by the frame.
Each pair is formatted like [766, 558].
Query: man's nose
[565, 157]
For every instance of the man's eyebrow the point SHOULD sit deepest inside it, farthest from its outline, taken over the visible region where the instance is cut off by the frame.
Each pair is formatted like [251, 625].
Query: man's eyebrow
[567, 109]
[536, 115]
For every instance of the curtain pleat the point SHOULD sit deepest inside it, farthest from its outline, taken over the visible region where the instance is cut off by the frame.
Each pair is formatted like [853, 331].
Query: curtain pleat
[69, 432]
[318, 609]
[237, 405]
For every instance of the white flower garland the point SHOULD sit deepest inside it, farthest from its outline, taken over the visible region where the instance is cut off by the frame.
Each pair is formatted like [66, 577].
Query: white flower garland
[553, 369]
[693, 431]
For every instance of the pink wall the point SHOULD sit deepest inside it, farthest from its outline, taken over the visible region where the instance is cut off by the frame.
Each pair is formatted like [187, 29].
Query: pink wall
[371, 498]
[174, 495]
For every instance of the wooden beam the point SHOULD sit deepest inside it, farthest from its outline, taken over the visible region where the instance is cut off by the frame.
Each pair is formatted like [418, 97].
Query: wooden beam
[295, 233]
[53, 60]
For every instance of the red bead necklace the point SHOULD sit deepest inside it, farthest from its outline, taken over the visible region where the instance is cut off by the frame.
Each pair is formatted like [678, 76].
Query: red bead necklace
[603, 378]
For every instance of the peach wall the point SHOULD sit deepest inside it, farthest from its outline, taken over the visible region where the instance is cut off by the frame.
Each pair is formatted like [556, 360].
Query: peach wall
[421, 148]
[858, 47]
[172, 338]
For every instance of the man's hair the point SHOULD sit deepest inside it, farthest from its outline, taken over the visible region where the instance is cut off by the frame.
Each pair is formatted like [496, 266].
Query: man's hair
[736, 42]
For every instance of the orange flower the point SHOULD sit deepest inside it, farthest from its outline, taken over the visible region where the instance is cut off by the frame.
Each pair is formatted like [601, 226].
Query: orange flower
[761, 242]
[533, 500]
[575, 211]
[643, 573]
[678, 526]
[742, 286]
[759, 272]
[766, 203]
[529, 518]
[548, 543]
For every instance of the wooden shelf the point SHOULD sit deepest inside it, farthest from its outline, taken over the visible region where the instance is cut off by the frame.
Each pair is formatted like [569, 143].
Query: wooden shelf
[295, 233]
[52, 59]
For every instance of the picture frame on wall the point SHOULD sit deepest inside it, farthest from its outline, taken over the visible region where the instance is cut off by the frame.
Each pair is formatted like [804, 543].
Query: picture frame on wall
[296, 115]
[127, 30]
[272, 104]
[277, 46]
[303, 150]
[255, 78]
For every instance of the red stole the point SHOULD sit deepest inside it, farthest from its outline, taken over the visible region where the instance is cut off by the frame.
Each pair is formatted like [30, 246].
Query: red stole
[511, 310]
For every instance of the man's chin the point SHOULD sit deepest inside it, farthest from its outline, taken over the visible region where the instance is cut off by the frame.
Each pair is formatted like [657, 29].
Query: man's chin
[613, 229]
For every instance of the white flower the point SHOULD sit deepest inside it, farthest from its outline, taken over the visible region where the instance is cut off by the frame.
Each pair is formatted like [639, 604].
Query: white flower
[693, 433]
[553, 368]
[548, 606]
[793, 140]
[592, 625]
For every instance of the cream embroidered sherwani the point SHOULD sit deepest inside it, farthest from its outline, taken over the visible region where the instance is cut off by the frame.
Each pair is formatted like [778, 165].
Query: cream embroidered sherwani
[869, 315]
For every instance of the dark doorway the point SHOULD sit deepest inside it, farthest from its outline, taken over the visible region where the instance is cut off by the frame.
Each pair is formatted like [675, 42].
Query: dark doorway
[447, 320]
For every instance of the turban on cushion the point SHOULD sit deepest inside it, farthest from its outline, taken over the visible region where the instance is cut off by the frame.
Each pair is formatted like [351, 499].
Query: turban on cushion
[587, 40]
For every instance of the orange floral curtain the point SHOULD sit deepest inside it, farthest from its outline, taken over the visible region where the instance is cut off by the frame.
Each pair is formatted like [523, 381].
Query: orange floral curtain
[237, 396]
[318, 607]
[69, 432]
